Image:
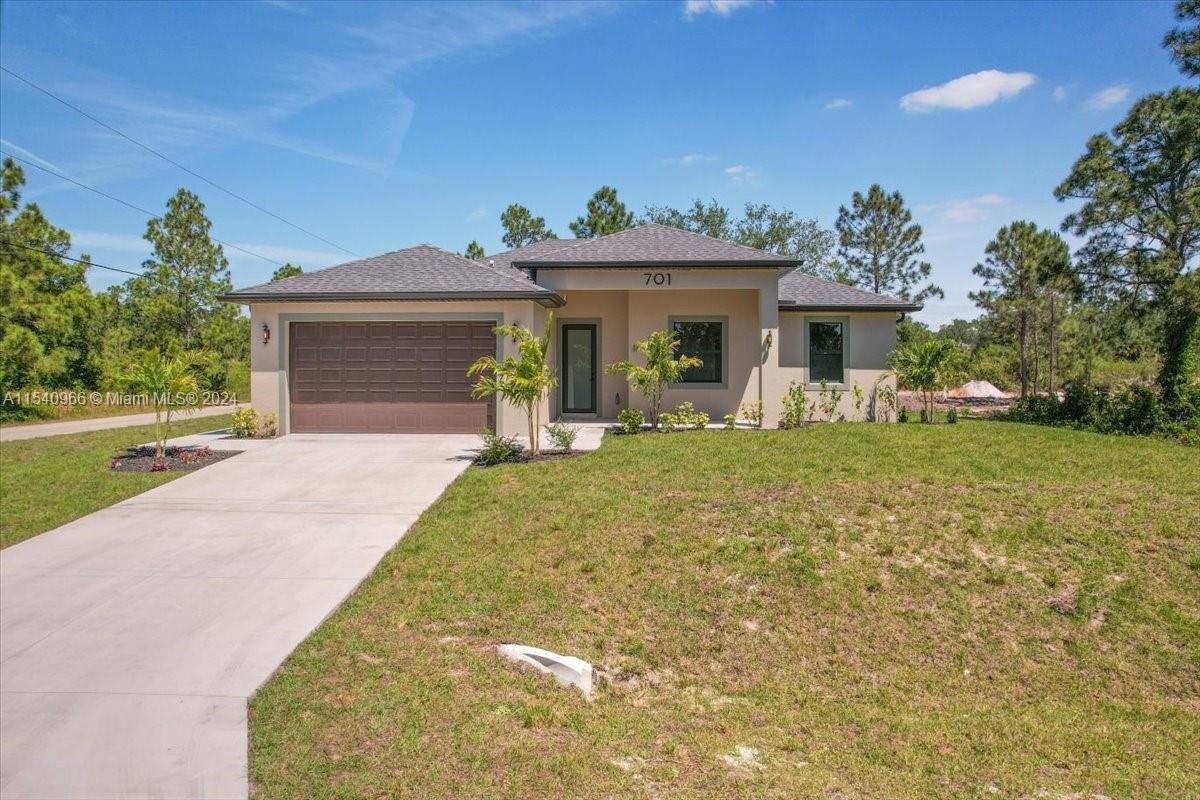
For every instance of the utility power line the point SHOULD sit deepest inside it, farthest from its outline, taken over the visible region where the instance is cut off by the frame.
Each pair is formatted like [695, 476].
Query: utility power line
[174, 163]
[127, 204]
[11, 243]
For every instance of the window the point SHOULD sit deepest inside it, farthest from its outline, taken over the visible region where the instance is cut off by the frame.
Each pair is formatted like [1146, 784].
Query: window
[703, 339]
[825, 352]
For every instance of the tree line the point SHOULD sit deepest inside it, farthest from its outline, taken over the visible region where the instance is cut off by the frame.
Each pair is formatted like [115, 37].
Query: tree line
[874, 244]
[56, 333]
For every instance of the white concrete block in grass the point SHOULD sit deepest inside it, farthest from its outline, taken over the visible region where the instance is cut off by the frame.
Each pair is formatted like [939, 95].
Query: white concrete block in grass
[569, 671]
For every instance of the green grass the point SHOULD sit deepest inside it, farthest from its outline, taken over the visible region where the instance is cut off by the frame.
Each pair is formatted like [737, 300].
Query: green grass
[866, 606]
[49, 481]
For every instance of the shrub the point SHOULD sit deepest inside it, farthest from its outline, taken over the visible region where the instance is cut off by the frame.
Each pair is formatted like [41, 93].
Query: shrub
[686, 416]
[889, 403]
[730, 421]
[859, 398]
[668, 422]
[267, 427]
[952, 415]
[753, 413]
[631, 420]
[562, 435]
[662, 368]
[902, 414]
[244, 423]
[1134, 410]
[795, 404]
[498, 449]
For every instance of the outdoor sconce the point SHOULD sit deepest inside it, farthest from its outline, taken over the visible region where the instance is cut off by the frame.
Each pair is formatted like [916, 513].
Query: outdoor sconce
[266, 333]
[769, 336]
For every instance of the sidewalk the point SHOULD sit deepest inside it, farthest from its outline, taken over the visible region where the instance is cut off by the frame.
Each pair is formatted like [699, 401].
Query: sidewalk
[13, 434]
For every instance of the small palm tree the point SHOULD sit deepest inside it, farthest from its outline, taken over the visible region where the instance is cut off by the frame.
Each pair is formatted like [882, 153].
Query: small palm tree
[927, 367]
[522, 381]
[168, 384]
[662, 368]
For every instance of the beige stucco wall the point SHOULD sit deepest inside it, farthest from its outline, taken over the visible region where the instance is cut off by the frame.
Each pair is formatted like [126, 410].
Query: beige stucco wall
[869, 338]
[622, 298]
[766, 348]
[268, 363]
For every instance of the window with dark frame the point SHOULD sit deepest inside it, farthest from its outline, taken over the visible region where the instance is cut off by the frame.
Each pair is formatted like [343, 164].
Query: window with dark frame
[825, 344]
[702, 339]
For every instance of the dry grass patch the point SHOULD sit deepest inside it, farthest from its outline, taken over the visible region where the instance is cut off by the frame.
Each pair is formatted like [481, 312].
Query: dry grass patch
[841, 611]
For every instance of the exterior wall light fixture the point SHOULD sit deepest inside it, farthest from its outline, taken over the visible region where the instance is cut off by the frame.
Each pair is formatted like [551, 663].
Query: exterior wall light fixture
[266, 333]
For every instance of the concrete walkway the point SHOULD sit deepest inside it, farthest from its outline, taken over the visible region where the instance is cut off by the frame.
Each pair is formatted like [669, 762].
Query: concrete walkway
[131, 639]
[16, 433]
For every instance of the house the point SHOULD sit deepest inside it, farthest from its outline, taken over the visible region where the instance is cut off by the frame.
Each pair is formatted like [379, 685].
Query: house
[383, 344]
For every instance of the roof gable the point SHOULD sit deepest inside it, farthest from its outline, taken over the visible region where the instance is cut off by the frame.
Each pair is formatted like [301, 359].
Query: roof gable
[652, 244]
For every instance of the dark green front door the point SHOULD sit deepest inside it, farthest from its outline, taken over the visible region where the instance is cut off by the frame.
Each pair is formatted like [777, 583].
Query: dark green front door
[579, 369]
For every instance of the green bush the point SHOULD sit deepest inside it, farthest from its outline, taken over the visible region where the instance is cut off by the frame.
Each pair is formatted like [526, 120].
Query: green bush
[730, 421]
[268, 427]
[631, 420]
[562, 435]
[1130, 410]
[952, 415]
[498, 449]
[683, 417]
[795, 406]
[753, 413]
[244, 424]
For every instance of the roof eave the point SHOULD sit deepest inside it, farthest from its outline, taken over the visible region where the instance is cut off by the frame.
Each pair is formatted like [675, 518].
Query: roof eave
[679, 264]
[897, 307]
[547, 299]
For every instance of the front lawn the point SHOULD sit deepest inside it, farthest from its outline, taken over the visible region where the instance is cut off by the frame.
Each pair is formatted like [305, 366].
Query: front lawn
[844, 611]
[53, 480]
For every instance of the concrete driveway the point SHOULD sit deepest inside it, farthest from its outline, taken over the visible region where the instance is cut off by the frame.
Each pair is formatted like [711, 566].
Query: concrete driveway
[131, 639]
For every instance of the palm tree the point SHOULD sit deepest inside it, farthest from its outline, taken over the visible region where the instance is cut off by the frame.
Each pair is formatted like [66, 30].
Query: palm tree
[167, 383]
[662, 368]
[927, 367]
[522, 381]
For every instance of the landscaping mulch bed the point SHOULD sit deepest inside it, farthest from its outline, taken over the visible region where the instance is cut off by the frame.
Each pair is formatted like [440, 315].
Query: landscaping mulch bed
[526, 458]
[175, 459]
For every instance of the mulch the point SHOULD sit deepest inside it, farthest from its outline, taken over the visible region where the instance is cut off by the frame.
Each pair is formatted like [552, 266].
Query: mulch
[175, 459]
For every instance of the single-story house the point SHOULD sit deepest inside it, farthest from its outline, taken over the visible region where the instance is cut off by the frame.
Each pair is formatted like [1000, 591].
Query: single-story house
[383, 344]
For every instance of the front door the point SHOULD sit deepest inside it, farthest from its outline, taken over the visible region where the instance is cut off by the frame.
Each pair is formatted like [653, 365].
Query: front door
[579, 368]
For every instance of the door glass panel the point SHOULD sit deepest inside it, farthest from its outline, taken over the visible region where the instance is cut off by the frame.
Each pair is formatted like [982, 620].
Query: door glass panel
[579, 359]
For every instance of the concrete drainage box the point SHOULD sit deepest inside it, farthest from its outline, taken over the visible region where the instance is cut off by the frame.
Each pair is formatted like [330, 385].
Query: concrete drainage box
[569, 671]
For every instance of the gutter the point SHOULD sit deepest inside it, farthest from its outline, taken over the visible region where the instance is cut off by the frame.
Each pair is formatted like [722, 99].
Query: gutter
[678, 264]
[546, 299]
[900, 307]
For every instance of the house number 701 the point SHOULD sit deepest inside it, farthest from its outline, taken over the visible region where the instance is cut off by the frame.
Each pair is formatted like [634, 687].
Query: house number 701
[658, 278]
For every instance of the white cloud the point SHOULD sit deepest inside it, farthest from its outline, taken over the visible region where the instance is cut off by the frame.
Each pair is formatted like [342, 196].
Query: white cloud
[1107, 97]
[961, 212]
[477, 214]
[100, 240]
[838, 103]
[29, 155]
[1060, 93]
[969, 91]
[287, 5]
[128, 243]
[741, 174]
[687, 160]
[722, 8]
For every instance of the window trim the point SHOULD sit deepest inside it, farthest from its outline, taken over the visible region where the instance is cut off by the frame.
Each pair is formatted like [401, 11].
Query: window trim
[810, 384]
[724, 322]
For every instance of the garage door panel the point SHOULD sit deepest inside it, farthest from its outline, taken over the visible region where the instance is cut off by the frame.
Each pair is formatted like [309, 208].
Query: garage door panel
[381, 377]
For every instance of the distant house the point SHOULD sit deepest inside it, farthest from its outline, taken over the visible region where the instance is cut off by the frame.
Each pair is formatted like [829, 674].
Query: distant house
[383, 344]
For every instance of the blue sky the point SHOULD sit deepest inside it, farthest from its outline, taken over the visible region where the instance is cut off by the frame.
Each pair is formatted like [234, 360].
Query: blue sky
[381, 126]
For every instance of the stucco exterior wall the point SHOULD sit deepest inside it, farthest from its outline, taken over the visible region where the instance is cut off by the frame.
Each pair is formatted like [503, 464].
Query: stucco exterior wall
[869, 337]
[746, 298]
[268, 363]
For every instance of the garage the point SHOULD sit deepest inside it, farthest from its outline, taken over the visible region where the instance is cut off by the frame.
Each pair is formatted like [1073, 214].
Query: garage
[387, 377]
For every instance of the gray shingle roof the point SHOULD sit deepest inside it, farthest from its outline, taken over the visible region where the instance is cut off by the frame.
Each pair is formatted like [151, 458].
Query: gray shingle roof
[803, 292]
[421, 272]
[651, 244]
[504, 261]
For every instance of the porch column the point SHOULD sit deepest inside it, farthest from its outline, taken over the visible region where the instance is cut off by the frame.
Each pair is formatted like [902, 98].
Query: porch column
[769, 377]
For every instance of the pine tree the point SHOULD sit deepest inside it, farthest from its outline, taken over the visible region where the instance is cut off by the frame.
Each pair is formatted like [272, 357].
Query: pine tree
[605, 214]
[879, 243]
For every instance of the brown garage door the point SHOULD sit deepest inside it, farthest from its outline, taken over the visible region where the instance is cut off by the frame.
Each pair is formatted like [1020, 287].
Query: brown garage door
[387, 377]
